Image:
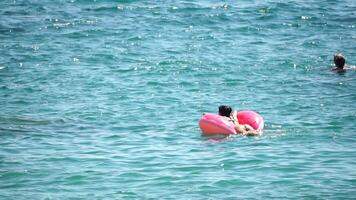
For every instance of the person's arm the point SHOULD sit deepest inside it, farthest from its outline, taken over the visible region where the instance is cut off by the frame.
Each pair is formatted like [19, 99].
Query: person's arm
[238, 127]
[234, 119]
[243, 129]
[350, 67]
[251, 133]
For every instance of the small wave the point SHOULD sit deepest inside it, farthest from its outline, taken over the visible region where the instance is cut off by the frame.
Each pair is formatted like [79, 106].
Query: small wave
[23, 120]
[104, 8]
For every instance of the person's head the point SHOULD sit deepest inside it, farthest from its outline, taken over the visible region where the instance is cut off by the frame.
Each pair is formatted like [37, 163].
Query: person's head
[339, 60]
[225, 110]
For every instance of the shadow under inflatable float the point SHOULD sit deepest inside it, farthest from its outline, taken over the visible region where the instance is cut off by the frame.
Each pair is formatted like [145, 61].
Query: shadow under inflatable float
[211, 124]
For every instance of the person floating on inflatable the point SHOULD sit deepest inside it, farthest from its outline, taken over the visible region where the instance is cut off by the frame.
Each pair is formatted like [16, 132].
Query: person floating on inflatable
[244, 129]
[339, 63]
[227, 122]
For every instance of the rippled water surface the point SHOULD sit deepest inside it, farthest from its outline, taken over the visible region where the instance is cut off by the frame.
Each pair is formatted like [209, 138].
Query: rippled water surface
[101, 99]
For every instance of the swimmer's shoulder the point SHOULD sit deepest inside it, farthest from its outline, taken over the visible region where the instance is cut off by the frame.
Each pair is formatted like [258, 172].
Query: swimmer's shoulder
[350, 67]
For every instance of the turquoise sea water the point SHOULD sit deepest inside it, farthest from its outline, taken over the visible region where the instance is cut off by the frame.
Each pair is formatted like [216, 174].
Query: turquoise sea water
[101, 99]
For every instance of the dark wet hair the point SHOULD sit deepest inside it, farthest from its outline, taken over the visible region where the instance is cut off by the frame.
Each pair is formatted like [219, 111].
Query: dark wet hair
[339, 60]
[225, 110]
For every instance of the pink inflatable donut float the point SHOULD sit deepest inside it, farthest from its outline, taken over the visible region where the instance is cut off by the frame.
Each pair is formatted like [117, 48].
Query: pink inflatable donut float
[215, 124]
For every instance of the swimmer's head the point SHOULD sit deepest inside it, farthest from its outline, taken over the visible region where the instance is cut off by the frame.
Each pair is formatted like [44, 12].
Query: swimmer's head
[339, 60]
[225, 110]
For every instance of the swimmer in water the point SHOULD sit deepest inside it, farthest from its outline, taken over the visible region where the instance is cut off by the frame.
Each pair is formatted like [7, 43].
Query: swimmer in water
[339, 64]
[245, 129]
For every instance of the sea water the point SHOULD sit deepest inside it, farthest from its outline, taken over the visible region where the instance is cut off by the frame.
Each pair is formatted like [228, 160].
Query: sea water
[101, 99]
